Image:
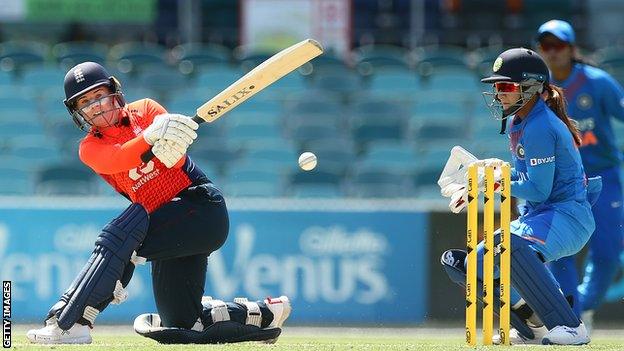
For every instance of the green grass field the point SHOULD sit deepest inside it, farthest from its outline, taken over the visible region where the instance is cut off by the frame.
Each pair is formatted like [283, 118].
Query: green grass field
[304, 338]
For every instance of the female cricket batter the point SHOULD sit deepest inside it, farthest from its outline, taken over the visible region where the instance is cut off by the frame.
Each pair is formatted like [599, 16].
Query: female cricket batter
[556, 220]
[176, 219]
[593, 98]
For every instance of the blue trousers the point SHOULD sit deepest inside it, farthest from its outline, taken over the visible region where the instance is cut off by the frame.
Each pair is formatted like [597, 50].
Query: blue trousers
[554, 231]
[605, 247]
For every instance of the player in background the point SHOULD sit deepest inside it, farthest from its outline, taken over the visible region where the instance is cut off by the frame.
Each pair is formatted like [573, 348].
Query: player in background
[547, 173]
[176, 219]
[594, 98]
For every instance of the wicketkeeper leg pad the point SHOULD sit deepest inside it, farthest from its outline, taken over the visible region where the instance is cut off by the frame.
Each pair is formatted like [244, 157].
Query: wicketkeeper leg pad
[107, 266]
[453, 263]
[538, 287]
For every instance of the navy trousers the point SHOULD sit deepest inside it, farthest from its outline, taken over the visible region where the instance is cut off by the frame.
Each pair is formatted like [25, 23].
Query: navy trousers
[181, 236]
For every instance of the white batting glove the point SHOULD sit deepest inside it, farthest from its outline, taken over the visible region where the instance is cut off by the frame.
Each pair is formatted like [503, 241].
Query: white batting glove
[175, 127]
[168, 152]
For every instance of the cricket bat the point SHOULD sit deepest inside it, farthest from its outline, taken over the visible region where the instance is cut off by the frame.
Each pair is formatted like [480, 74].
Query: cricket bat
[265, 74]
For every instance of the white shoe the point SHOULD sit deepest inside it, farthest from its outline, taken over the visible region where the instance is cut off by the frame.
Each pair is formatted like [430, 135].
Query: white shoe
[588, 319]
[515, 338]
[564, 335]
[53, 334]
[280, 307]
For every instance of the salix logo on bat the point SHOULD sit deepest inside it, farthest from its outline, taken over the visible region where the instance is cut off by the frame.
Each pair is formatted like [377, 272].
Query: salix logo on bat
[230, 100]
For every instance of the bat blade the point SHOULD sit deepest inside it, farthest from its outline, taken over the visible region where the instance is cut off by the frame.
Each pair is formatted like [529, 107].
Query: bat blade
[263, 75]
[259, 78]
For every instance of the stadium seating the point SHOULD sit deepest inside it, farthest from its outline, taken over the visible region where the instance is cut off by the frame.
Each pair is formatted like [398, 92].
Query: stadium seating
[381, 124]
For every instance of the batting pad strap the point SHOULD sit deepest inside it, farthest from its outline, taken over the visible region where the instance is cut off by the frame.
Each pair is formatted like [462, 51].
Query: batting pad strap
[254, 315]
[90, 313]
[219, 311]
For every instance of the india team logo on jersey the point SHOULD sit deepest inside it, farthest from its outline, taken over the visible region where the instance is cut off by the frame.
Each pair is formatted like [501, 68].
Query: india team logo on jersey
[520, 151]
[584, 102]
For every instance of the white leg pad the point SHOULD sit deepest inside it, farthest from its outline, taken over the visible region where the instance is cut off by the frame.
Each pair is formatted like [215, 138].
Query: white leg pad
[254, 315]
[219, 311]
[90, 313]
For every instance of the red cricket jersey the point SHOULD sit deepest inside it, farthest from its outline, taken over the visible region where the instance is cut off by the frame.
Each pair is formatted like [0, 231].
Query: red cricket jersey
[115, 155]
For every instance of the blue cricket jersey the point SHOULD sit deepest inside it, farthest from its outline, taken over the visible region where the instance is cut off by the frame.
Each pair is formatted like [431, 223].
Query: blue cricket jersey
[547, 164]
[594, 97]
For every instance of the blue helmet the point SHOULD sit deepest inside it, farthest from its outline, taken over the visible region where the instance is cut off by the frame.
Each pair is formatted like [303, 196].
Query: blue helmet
[82, 78]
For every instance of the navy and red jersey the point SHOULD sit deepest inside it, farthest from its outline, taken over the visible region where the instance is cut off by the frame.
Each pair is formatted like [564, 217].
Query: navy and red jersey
[115, 152]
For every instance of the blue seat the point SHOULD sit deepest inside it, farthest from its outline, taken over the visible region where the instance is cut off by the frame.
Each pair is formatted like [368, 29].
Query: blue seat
[43, 77]
[389, 81]
[342, 83]
[307, 133]
[214, 151]
[431, 57]
[452, 79]
[371, 58]
[133, 57]
[164, 81]
[441, 129]
[17, 55]
[66, 179]
[281, 159]
[191, 57]
[375, 181]
[245, 132]
[319, 175]
[245, 117]
[367, 126]
[316, 103]
[395, 157]
[69, 54]
[41, 153]
[428, 174]
[16, 186]
[218, 79]
[433, 106]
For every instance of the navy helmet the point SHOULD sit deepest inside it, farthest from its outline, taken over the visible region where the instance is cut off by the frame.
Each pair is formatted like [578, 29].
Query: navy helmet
[82, 78]
[520, 66]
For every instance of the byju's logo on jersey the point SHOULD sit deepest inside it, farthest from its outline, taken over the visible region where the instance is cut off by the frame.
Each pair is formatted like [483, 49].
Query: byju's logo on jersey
[520, 152]
[541, 161]
[78, 75]
[584, 102]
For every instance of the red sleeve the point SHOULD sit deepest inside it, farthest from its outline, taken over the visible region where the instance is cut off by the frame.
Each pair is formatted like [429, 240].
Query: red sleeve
[113, 158]
[150, 109]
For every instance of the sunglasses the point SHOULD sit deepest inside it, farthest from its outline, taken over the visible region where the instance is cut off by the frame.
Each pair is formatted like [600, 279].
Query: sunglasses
[557, 46]
[506, 87]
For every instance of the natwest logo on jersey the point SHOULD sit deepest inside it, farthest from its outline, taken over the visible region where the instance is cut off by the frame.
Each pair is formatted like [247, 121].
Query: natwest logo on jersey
[143, 174]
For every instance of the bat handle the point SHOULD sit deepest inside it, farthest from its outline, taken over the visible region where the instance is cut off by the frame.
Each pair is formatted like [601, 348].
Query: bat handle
[148, 155]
